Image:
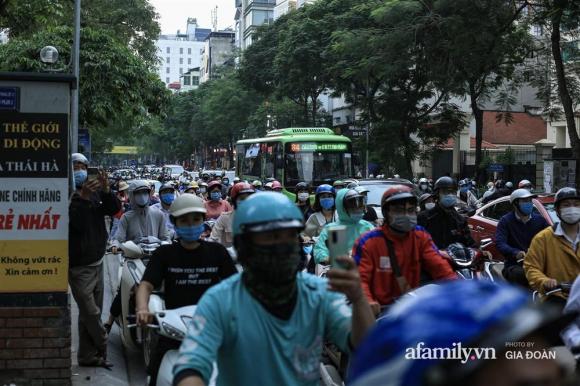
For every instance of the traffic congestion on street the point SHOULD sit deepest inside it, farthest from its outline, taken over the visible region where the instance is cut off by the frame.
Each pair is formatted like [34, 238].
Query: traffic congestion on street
[289, 193]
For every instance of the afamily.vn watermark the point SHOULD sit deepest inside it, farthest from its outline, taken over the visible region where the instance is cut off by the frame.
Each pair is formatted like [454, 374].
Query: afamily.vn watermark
[514, 350]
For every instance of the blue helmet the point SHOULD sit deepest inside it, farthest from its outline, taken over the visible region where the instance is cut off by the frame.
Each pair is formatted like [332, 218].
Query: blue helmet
[468, 313]
[266, 211]
[325, 188]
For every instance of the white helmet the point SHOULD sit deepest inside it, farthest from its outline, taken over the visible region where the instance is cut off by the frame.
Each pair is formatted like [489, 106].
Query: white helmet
[139, 185]
[187, 203]
[78, 157]
[520, 193]
[524, 183]
[423, 181]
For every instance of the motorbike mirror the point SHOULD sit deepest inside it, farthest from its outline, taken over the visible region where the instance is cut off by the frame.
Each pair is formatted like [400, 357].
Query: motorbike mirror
[485, 242]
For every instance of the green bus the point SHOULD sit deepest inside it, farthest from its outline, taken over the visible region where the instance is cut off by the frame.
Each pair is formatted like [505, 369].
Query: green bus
[312, 155]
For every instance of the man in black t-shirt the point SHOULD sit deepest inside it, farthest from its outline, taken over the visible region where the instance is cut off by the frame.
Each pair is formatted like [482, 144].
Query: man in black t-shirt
[187, 268]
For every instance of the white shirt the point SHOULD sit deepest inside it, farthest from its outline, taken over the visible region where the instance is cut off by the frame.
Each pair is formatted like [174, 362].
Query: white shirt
[560, 232]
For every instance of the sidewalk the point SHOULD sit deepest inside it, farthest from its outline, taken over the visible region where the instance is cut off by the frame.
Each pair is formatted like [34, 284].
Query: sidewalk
[125, 372]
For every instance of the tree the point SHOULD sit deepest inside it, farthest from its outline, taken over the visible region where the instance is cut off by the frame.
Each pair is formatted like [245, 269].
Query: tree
[119, 89]
[558, 79]
[484, 46]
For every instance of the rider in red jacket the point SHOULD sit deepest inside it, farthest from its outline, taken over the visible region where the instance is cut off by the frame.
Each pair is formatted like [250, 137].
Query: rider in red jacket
[383, 278]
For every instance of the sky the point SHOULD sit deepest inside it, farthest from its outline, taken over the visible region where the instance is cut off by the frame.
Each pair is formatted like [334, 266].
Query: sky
[174, 13]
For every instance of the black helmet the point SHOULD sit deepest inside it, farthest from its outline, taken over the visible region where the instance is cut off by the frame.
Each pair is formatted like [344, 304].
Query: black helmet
[564, 194]
[302, 186]
[445, 182]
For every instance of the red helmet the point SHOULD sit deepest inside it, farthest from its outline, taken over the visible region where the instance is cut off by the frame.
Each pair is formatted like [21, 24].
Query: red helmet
[276, 185]
[241, 188]
[396, 193]
[213, 184]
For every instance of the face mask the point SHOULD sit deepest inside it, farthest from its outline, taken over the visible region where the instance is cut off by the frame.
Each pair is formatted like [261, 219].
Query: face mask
[303, 196]
[80, 176]
[270, 271]
[526, 208]
[215, 196]
[423, 187]
[141, 200]
[327, 203]
[357, 216]
[429, 205]
[189, 233]
[226, 182]
[570, 215]
[167, 198]
[448, 200]
[403, 223]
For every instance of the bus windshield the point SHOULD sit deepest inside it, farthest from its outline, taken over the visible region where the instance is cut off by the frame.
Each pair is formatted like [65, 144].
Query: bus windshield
[317, 163]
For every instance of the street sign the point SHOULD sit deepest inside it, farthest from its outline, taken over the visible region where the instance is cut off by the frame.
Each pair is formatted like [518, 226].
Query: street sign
[495, 168]
[9, 98]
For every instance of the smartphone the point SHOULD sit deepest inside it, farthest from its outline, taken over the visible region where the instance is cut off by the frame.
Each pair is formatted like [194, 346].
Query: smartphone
[92, 174]
[337, 243]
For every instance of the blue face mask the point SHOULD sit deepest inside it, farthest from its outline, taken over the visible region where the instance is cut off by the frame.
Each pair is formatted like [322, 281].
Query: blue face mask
[356, 216]
[167, 198]
[189, 233]
[327, 203]
[215, 196]
[526, 208]
[448, 200]
[80, 176]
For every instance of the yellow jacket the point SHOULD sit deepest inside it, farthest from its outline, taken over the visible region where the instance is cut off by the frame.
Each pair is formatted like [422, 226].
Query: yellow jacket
[551, 257]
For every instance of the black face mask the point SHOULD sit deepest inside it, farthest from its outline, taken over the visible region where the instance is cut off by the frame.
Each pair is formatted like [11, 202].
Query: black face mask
[270, 271]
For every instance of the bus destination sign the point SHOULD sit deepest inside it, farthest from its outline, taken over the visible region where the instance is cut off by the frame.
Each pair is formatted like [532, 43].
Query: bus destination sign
[313, 146]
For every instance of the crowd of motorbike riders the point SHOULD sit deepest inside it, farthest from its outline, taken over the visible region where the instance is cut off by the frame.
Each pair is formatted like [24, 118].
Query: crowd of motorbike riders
[265, 321]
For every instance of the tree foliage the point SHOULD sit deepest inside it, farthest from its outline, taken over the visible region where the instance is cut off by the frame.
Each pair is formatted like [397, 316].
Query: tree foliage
[119, 88]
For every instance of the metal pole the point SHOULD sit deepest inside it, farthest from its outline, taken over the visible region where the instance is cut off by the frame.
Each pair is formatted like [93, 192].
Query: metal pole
[75, 92]
[368, 91]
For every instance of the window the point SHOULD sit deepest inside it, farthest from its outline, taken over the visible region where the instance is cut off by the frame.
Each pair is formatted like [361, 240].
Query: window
[167, 70]
[195, 80]
[189, 61]
[189, 51]
[495, 212]
[180, 71]
[180, 60]
[186, 80]
[259, 17]
[181, 51]
[167, 80]
[167, 60]
[168, 50]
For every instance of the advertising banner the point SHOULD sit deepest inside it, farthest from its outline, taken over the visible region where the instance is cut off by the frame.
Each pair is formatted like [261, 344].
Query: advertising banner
[33, 202]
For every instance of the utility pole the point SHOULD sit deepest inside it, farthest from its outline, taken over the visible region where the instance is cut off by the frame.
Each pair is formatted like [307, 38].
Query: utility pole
[74, 109]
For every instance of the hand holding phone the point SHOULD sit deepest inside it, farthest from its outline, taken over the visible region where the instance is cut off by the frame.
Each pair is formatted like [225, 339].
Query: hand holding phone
[337, 244]
[92, 174]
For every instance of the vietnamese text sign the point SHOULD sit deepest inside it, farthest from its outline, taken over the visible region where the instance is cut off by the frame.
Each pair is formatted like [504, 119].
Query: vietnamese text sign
[33, 202]
[9, 98]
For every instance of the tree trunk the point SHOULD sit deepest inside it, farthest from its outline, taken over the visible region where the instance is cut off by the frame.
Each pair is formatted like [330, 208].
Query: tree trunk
[314, 98]
[563, 91]
[478, 115]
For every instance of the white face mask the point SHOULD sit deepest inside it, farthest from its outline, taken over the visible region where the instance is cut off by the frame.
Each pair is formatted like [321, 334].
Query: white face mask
[570, 215]
[429, 205]
[303, 196]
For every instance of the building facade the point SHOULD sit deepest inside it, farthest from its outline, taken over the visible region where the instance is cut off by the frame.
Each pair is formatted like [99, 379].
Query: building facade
[218, 51]
[250, 14]
[180, 52]
[190, 80]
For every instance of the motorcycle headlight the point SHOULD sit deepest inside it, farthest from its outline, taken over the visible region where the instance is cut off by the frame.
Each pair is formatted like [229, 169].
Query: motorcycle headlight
[173, 332]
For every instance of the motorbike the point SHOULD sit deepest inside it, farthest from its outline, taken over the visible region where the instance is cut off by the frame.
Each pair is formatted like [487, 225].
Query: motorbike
[134, 259]
[473, 264]
[171, 324]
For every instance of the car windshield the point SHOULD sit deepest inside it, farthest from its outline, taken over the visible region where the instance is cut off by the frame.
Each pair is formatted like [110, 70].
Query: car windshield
[317, 163]
[549, 206]
[376, 193]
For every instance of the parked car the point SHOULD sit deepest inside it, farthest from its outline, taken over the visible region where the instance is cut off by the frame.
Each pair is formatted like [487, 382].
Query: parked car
[377, 188]
[484, 222]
